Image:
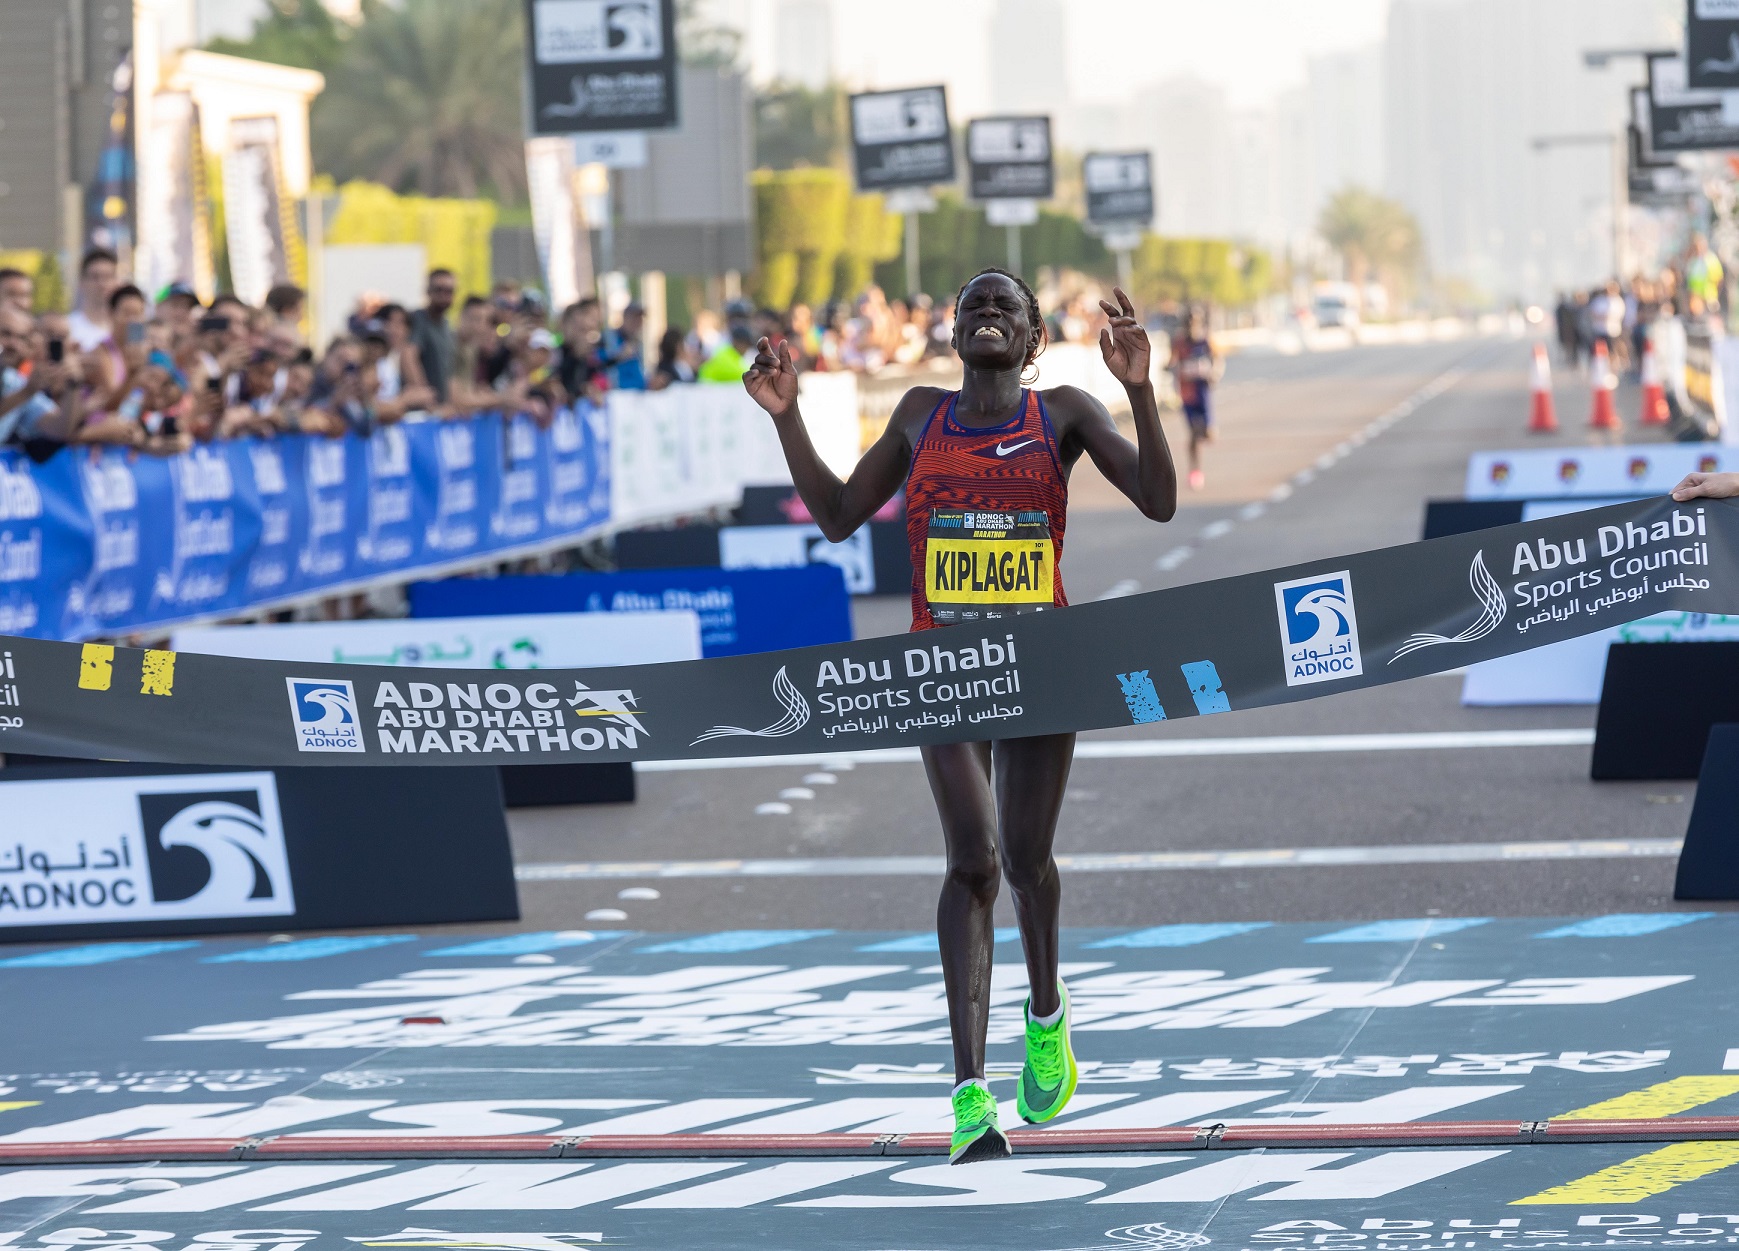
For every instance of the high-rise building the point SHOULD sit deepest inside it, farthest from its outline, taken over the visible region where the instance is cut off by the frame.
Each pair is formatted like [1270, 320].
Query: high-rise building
[803, 47]
[1345, 91]
[57, 64]
[1028, 57]
[1469, 85]
[1187, 125]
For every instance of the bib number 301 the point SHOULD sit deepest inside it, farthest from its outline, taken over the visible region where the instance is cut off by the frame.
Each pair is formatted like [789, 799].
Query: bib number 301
[979, 566]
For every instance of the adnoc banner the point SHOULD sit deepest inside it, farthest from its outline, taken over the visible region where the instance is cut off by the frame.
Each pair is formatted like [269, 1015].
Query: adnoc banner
[109, 543]
[1262, 638]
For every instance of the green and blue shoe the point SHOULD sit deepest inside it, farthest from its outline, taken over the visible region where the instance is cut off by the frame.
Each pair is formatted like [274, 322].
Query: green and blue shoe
[977, 1136]
[1049, 1077]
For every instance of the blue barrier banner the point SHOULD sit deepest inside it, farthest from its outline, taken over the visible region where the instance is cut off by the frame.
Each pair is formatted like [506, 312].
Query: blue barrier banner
[105, 541]
[741, 610]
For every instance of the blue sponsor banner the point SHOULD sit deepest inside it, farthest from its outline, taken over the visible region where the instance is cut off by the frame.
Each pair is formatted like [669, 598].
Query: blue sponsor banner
[106, 541]
[740, 610]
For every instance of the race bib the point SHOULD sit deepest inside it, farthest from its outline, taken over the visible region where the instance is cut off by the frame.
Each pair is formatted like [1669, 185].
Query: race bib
[979, 566]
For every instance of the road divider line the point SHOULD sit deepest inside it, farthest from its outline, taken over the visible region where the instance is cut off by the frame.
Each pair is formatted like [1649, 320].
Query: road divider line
[1152, 748]
[1119, 862]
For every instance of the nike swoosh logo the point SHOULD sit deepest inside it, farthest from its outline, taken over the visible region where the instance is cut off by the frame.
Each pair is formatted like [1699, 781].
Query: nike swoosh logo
[1001, 450]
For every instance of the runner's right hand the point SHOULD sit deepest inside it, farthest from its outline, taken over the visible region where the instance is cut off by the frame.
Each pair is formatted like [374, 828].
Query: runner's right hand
[1714, 486]
[772, 379]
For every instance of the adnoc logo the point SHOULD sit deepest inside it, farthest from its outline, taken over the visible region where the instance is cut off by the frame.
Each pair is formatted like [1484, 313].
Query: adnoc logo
[1319, 628]
[324, 713]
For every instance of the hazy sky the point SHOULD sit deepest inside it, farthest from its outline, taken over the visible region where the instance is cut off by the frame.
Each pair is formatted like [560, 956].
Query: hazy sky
[1253, 48]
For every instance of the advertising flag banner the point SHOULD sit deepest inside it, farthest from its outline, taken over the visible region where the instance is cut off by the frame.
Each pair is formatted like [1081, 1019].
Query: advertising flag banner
[1119, 188]
[901, 139]
[1271, 637]
[174, 243]
[1009, 158]
[600, 65]
[1683, 118]
[1712, 44]
[259, 220]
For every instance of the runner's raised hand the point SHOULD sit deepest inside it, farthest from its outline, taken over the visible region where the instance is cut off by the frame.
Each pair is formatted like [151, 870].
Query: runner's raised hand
[772, 379]
[1124, 342]
[1714, 486]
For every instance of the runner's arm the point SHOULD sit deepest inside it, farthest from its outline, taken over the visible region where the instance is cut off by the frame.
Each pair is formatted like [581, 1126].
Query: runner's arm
[1144, 472]
[839, 508]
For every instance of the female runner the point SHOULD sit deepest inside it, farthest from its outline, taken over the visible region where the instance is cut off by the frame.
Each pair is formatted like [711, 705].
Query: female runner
[994, 446]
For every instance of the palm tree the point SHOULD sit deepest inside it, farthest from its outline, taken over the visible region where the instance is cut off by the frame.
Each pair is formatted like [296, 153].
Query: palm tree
[426, 98]
[1375, 236]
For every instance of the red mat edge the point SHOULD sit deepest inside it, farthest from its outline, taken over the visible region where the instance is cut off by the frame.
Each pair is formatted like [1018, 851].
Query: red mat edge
[1164, 1138]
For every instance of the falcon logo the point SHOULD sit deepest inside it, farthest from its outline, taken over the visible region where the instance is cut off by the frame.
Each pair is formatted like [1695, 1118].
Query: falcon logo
[1319, 628]
[323, 711]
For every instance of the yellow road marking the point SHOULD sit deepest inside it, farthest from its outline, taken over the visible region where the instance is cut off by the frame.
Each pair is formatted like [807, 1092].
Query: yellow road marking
[96, 666]
[1664, 1099]
[26, 1103]
[1644, 1175]
[159, 674]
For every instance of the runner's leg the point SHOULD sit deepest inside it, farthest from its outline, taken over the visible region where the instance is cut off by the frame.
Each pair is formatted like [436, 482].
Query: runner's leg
[1031, 775]
[959, 776]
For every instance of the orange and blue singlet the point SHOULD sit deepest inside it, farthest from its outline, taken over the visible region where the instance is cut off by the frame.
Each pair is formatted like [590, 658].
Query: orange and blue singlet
[985, 513]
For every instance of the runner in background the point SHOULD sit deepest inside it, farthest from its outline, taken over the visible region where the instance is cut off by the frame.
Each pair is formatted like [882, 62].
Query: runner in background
[1197, 368]
[994, 447]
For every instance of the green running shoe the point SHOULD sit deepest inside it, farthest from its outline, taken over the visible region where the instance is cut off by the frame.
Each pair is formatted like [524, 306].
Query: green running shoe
[1050, 1075]
[977, 1136]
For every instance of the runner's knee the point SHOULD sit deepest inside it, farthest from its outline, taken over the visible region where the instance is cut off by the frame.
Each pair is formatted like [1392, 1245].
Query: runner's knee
[1027, 875]
[978, 874]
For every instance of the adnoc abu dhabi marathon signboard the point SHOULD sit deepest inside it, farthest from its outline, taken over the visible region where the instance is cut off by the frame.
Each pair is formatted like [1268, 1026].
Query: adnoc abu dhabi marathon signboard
[1119, 188]
[1683, 118]
[1712, 44]
[600, 65]
[1009, 158]
[901, 138]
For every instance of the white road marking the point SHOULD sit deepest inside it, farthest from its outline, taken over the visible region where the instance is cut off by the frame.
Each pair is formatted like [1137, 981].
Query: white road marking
[1128, 586]
[1172, 559]
[1145, 748]
[1215, 529]
[1124, 862]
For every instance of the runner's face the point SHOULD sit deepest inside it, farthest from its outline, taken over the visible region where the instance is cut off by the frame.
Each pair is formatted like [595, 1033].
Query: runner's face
[991, 331]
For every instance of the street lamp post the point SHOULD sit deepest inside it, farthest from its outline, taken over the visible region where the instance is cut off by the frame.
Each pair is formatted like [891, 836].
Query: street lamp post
[1620, 185]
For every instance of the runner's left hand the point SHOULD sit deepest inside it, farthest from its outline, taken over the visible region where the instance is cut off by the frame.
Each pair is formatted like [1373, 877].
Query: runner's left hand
[1124, 342]
[772, 377]
[1714, 486]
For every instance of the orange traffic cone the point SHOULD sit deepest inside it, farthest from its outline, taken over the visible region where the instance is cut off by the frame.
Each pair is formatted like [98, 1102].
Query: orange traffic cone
[1541, 418]
[1603, 416]
[1654, 393]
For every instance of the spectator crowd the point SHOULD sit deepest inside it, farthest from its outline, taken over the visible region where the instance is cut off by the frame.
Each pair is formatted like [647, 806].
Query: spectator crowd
[1647, 315]
[157, 373]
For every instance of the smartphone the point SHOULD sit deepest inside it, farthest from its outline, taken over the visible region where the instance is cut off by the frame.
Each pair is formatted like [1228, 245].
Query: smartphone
[56, 351]
[136, 334]
[214, 385]
[213, 323]
[170, 427]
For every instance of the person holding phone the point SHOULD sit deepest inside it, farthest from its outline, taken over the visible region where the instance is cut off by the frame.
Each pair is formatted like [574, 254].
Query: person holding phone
[119, 356]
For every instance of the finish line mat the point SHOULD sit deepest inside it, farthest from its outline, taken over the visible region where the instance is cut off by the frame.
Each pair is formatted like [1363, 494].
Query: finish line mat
[1253, 640]
[811, 1032]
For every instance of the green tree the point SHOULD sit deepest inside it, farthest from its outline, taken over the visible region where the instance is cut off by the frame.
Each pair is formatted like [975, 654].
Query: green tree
[797, 127]
[291, 32]
[426, 99]
[422, 95]
[1375, 236]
